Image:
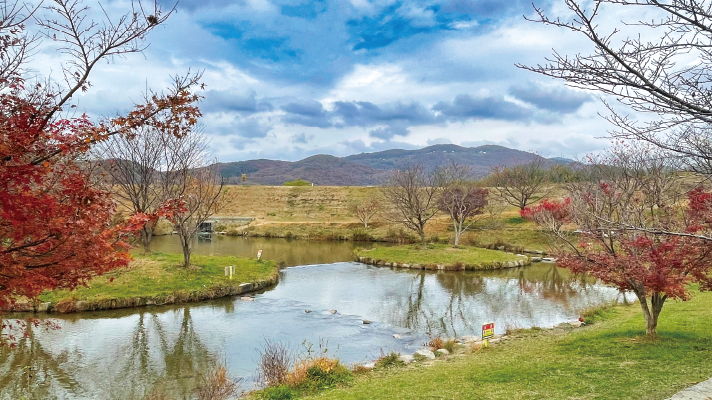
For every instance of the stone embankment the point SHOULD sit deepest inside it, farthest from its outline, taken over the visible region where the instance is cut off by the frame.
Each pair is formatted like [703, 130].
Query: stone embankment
[522, 261]
[71, 305]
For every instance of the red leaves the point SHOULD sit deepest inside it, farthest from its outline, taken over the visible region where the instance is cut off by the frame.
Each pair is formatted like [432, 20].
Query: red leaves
[55, 226]
[639, 260]
[558, 210]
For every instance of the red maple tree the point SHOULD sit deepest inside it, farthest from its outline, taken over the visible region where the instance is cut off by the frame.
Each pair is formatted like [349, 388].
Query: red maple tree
[655, 264]
[55, 222]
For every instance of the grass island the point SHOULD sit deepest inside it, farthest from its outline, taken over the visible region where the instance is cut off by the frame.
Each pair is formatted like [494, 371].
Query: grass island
[440, 256]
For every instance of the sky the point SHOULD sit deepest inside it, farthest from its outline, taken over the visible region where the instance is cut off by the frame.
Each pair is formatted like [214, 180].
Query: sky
[290, 79]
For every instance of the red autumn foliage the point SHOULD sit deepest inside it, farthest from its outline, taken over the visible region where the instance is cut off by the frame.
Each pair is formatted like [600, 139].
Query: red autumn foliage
[650, 263]
[55, 224]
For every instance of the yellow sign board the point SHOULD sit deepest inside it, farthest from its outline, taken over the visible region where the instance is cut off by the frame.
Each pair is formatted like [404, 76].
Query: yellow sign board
[488, 330]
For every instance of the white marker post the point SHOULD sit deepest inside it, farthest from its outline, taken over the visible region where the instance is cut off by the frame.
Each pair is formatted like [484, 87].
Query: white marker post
[259, 255]
[230, 271]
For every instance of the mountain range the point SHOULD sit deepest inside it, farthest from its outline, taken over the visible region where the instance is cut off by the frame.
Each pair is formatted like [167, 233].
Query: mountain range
[372, 168]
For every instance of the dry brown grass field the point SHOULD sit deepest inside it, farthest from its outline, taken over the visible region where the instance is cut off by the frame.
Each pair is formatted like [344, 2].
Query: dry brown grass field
[321, 212]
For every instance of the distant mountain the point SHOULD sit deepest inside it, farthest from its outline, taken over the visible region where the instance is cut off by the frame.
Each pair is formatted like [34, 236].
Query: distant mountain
[371, 168]
[562, 160]
[480, 158]
[320, 169]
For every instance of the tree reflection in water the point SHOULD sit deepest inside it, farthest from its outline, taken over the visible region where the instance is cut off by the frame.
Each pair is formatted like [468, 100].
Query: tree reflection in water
[29, 371]
[150, 357]
[451, 304]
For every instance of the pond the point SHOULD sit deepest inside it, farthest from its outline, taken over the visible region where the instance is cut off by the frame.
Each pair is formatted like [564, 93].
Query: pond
[124, 354]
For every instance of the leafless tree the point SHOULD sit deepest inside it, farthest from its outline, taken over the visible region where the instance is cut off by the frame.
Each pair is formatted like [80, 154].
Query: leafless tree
[521, 184]
[190, 176]
[461, 198]
[366, 209]
[133, 167]
[413, 195]
[660, 70]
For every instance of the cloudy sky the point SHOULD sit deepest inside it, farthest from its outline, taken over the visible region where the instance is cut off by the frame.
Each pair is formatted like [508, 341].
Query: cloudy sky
[287, 78]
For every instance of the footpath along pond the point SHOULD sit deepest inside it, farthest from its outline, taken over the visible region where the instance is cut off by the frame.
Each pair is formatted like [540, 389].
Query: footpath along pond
[123, 354]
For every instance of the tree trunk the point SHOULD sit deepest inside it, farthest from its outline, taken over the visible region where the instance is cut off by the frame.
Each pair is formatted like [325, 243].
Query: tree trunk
[147, 236]
[185, 244]
[186, 257]
[458, 232]
[423, 245]
[652, 312]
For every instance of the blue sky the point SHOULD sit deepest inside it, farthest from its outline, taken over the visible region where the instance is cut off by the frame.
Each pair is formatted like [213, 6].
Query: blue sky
[289, 79]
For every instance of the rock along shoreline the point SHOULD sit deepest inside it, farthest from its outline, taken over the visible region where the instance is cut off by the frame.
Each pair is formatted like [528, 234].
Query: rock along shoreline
[448, 267]
[66, 306]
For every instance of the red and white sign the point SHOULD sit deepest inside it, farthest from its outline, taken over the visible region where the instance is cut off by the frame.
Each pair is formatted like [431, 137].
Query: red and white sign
[259, 254]
[488, 330]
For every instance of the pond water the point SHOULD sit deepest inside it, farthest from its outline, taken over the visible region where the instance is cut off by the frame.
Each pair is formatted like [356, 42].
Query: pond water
[124, 354]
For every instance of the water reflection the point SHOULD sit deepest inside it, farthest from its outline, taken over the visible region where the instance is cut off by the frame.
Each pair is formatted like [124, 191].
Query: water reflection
[290, 252]
[126, 362]
[125, 354]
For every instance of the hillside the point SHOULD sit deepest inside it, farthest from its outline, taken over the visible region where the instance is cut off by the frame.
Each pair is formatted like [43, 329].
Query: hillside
[370, 168]
[323, 170]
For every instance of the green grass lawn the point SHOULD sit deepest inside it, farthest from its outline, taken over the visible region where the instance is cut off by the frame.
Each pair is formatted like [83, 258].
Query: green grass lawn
[161, 274]
[610, 359]
[436, 254]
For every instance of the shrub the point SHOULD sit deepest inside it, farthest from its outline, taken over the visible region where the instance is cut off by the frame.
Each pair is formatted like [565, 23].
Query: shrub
[271, 214]
[275, 362]
[297, 182]
[281, 392]
[400, 236]
[361, 235]
[449, 346]
[216, 385]
[389, 360]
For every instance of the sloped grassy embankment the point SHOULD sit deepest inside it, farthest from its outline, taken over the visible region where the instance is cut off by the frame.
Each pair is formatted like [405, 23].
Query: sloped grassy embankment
[159, 279]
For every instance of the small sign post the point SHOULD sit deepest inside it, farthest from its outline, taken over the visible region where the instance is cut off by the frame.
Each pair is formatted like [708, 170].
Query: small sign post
[487, 333]
[230, 271]
[259, 255]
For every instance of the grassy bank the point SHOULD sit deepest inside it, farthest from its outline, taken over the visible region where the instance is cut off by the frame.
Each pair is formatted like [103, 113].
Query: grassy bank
[159, 275]
[463, 257]
[610, 359]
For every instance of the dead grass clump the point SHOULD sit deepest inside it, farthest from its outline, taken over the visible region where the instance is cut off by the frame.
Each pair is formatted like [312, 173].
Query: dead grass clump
[436, 343]
[475, 346]
[360, 369]
[158, 393]
[217, 385]
[65, 306]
